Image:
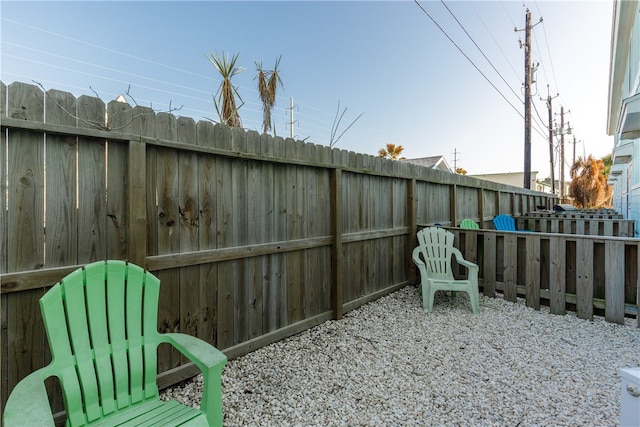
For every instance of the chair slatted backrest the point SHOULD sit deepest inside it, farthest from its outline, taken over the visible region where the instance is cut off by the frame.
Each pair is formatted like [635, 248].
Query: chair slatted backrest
[101, 322]
[504, 222]
[436, 246]
[469, 224]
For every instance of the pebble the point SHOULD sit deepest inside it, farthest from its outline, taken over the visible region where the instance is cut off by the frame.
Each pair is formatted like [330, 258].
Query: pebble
[390, 363]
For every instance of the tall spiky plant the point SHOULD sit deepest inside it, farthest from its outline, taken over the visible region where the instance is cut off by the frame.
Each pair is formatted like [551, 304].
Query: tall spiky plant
[225, 99]
[392, 151]
[267, 86]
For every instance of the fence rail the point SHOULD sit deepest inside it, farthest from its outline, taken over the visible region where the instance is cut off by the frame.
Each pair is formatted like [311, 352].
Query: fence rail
[585, 274]
[254, 237]
[577, 225]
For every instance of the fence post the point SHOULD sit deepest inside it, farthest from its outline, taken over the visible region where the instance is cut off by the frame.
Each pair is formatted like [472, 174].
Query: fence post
[337, 292]
[453, 199]
[411, 225]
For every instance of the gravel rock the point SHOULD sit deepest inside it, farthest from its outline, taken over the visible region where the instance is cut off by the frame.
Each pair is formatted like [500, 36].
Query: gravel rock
[389, 363]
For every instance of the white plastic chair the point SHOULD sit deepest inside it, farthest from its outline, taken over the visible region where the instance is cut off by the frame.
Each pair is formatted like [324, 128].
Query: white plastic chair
[433, 258]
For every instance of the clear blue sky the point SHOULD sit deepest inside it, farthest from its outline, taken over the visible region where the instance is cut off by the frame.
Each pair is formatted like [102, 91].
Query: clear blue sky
[386, 60]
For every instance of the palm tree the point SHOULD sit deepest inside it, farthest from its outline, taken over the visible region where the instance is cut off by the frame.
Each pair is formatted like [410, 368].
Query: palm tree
[226, 97]
[267, 85]
[589, 187]
[391, 151]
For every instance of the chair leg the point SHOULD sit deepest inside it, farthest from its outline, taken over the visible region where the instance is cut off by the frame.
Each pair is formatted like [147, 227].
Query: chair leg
[427, 299]
[474, 299]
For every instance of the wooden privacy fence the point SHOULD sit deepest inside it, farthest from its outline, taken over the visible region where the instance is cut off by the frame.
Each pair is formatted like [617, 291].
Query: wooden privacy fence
[585, 274]
[576, 225]
[255, 238]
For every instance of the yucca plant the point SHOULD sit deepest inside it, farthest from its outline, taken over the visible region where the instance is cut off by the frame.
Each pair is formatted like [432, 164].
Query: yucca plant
[225, 99]
[392, 151]
[267, 86]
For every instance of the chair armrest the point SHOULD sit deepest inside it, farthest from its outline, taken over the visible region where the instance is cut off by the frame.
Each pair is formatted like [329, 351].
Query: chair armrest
[460, 259]
[28, 403]
[416, 257]
[210, 361]
[200, 352]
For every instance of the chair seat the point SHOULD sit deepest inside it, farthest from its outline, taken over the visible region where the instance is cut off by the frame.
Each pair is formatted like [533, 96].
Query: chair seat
[155, 413]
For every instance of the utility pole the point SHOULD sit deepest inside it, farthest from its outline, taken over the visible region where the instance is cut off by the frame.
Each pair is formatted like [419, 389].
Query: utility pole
[553, 180]
[562, 132]
[455, 160]
[527, 98]
[291, 121]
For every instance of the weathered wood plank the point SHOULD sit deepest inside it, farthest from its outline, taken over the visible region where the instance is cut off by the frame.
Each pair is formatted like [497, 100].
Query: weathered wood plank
[490, 267]
[227, 279]
[61, 214]
[557, 282]
[168, 237]
[584, 280]
[207, 235]
[188, 215]
[510, 267]
[532, 271]
[25, 338]
[614, 281]
[92, 218]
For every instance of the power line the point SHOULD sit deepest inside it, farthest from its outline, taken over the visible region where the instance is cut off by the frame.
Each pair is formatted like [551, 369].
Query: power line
[468, 59]
[496, 42]
[478, 47]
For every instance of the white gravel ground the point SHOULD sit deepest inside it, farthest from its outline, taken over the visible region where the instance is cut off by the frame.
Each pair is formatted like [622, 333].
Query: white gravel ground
[388, 363]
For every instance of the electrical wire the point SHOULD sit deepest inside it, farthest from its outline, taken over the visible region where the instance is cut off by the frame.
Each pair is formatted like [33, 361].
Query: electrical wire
[480, 50]
[467, 57]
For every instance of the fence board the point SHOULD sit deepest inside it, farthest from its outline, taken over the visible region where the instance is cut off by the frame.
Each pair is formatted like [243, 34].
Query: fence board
[614, 281]
[207, 236]
[188, 215]
[510, 273]
[227, 278]
[557, 282]
[489, 242]
[532, 272]
[584, 281]
[60, 176]
[168, 237]
[25, 232]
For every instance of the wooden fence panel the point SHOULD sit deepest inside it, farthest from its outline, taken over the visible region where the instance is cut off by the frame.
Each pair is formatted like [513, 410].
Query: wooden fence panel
[25, 233]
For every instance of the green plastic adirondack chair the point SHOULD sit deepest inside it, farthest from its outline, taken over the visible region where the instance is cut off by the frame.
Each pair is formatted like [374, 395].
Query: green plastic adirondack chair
[469, 224]
[433, 256]
[101, 322]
